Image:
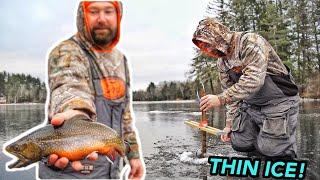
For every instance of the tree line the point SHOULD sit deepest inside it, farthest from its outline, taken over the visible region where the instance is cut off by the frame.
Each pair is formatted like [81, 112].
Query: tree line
[173, 90]
[292, 27]
[21, 88]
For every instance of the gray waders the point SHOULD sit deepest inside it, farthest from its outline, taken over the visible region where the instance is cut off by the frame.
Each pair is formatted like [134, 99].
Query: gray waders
[266, 121]
[109, 113]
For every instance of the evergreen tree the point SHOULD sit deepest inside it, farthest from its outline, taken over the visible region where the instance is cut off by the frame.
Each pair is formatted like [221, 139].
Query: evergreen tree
[151, 90]
[2, 83]
[274, 29]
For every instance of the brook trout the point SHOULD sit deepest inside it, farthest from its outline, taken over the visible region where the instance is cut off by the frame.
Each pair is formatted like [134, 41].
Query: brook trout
[75, 139]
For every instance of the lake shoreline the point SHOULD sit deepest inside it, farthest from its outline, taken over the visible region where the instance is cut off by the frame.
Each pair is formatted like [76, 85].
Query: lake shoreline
[153, 102]
[163, 102]
[14, 104]
[192, 101]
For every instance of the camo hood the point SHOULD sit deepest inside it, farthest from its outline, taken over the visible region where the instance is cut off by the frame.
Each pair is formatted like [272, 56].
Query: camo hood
[212, 33]
[84, 30]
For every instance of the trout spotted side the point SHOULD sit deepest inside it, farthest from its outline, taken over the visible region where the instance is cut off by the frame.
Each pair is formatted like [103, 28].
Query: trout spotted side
[75, 139]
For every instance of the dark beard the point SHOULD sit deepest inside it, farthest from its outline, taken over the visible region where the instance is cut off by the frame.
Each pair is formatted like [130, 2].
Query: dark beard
[104, 39]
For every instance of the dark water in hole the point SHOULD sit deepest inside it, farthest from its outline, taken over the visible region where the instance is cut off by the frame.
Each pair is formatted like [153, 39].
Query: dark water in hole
[165, 138]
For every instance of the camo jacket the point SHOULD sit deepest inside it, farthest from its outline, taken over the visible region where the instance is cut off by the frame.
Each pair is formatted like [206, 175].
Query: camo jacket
[248, 53]
[70, 79]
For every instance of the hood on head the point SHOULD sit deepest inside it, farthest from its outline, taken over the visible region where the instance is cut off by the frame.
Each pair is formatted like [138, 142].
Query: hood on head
[84, 30]
[212, 33]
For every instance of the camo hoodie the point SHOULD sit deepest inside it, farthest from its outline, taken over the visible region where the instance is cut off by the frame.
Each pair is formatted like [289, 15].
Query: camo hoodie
[248, 53]
[70, 79]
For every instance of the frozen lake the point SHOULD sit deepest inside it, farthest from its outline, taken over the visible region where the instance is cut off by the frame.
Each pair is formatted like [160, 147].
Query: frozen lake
[168, 144]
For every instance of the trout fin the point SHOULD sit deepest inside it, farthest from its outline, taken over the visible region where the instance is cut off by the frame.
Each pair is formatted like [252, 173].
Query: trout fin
[111, 154]
[109, 160]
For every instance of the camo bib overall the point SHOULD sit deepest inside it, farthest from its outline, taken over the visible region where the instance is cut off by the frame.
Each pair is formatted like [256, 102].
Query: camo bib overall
[110, 113]
[267, 120]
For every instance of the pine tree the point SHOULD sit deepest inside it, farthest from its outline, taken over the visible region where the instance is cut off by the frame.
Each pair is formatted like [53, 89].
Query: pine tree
[2, 83]
[274, 29]
[151, 92]
[203, 70]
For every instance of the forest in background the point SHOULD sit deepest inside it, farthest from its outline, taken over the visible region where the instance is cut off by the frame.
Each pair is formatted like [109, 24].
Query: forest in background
[292, 27]
[21, 88]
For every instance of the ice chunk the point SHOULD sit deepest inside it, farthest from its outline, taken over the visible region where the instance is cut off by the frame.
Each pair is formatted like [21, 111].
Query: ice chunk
[190, 158]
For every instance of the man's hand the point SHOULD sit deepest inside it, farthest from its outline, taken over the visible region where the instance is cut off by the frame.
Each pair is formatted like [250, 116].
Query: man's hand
[209, 101]
[137, 170]
[226, 137]
[62, 162]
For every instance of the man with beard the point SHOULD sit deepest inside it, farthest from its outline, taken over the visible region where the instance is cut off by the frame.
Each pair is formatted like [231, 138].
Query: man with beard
[89, 79]
[258, 90]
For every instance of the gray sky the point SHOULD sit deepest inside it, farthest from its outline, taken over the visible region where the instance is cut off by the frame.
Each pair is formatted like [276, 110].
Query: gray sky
[156, 35]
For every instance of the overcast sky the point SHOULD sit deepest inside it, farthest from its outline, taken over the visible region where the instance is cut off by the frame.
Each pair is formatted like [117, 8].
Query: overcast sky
[156, 35]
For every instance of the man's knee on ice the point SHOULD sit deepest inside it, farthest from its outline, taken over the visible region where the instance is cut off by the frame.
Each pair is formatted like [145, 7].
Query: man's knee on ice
[241, 145]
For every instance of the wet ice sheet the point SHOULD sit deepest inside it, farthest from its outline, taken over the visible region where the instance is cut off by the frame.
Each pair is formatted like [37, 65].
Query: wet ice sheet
[165, 137]
[169, 138]
[176, 157]
[165, 112]
[176, 112]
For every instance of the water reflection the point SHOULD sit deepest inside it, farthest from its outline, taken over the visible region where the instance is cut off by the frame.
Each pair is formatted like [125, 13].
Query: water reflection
[16, 119]
[308, 136]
